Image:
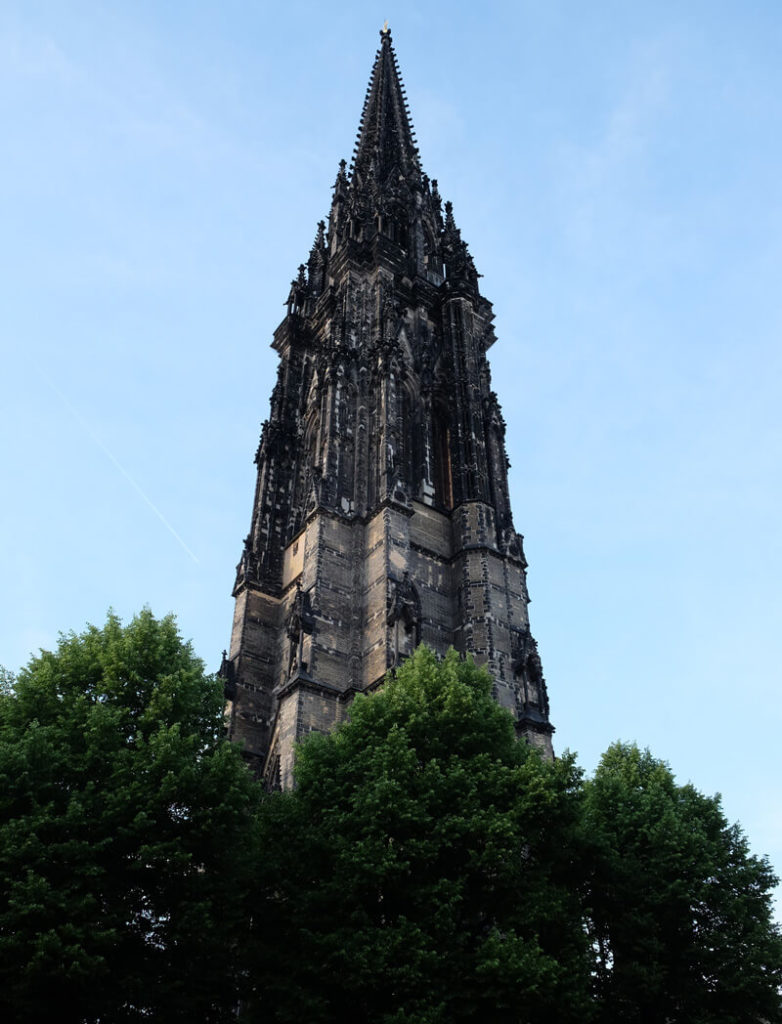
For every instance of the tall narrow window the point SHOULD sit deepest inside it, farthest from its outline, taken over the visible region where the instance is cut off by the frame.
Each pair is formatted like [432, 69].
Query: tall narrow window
[441, 442]
[305, 473]
[409, 440]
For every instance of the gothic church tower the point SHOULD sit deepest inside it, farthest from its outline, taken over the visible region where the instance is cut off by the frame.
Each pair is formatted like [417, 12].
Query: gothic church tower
[381, 516]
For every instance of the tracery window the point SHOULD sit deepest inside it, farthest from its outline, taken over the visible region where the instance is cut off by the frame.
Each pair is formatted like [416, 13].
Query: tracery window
[441, 445]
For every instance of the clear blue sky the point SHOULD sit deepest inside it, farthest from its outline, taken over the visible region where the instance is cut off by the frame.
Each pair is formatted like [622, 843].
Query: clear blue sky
[616, 169]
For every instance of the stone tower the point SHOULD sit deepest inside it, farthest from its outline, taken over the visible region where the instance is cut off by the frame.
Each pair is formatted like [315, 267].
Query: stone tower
[381, 516]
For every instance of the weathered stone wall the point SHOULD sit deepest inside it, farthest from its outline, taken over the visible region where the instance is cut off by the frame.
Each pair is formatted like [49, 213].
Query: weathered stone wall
[469, 595]
[254, 653]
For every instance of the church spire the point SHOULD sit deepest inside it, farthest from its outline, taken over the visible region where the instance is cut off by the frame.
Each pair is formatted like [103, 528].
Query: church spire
[386, 142]
[381, 515]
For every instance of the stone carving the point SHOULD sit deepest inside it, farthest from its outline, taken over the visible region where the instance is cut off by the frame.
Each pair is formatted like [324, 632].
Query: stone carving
[300, 621]
[227, 674]
[404, 612]
[532, 694]
[247, 569]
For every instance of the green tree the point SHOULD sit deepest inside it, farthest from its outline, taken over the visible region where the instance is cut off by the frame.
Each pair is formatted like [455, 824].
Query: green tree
[424, 869]
[7, 681]
[125, 821]
[679, 910]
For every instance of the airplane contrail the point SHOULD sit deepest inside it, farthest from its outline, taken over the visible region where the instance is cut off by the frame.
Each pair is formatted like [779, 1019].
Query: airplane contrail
[110, 455]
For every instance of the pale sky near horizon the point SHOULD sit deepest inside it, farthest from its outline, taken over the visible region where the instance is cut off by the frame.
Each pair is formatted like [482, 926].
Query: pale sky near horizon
[615, 169]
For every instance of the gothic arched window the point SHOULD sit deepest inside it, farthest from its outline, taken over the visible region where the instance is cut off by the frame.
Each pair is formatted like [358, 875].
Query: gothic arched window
[409, 438]
[441, 445]
[306, 471]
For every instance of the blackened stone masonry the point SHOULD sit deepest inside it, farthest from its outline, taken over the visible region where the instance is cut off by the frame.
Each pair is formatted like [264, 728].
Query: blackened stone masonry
[381, 516]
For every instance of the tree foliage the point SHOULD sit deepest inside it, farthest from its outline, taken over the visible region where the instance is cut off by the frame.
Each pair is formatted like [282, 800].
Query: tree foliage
[679, 910]
[7, 681]
[124, 828]
[425, 867]
[428, 868]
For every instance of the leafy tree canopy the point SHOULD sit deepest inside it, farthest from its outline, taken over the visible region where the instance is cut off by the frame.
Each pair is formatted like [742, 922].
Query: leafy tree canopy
[428, 868]
[7, 680]
[123, 817]
[425, 867]
[679, 910]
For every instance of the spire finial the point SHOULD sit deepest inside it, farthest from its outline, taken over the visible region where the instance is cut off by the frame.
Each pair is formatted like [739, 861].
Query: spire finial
[385, 30]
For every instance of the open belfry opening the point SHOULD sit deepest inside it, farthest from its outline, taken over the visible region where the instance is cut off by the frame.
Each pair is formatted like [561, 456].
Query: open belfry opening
[381, 516]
